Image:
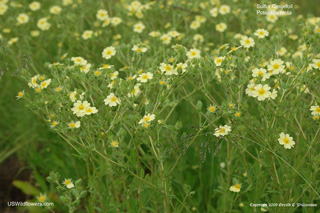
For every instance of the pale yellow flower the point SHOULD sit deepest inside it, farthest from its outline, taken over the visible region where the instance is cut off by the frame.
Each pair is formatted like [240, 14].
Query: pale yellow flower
[235, 188]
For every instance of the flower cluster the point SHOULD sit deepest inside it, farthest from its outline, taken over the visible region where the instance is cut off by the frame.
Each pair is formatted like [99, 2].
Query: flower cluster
[147, 119]
[38, 83]
[82, 108]
[263, 91]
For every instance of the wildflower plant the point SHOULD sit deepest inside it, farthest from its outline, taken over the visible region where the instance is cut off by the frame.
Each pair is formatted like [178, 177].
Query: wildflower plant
[185, 112]
[70, 194]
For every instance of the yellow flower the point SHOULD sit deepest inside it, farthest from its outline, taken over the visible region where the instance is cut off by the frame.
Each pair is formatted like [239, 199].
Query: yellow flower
[102, 15]
[73, 124]
[58, 89]
[145, 121]
[211, 108]
[97, 72]
[286, 141]
[144, 77]
[112, 100]
[114, 144]
[221, 27]
[108, 52]
[224, 9]
[34, 6]
[222, 130]
[55, 10]
[87, 34]
[193, 53]
[12, 41]
[22, 18]
[262, 92]
[138, 28]
[167, 69]
[68, 183]
[42, 197]
[139, 49]
[195, 25]
[54, 124]
[106, 66]
[261, 33]
[218, 61]
[43, 24]
[20, 94]
[45, 84]
[81, 108]
[166, 39]
[34, 33]
[247, 42]
[235, 188]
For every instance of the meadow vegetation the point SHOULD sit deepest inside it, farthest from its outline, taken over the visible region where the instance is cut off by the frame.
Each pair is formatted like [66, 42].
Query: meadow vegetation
[160, 106]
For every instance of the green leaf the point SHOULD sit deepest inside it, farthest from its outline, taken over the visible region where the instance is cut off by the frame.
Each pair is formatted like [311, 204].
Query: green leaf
[26, 187]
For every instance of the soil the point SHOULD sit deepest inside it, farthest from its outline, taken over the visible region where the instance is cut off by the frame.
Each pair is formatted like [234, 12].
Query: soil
[10, 170]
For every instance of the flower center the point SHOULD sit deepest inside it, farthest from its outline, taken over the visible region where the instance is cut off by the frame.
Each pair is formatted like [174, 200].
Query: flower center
[286, 140]
[261, 91]
[276, 66]
[146, 119]
[261, 73]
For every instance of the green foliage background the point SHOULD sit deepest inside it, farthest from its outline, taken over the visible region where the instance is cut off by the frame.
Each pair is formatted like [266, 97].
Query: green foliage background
[29, 140]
